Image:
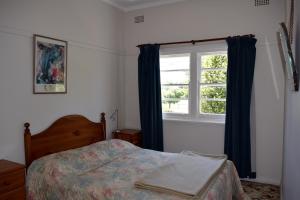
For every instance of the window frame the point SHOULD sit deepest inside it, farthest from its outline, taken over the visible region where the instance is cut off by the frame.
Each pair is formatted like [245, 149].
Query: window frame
[208, 116]
[195, 81]
[179, 115]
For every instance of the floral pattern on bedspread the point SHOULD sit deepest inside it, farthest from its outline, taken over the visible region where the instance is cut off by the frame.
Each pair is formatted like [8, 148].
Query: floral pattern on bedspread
[107, 170]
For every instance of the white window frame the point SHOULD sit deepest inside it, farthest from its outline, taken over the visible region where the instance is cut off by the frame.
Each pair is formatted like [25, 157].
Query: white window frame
[179, 115]
[194, 86]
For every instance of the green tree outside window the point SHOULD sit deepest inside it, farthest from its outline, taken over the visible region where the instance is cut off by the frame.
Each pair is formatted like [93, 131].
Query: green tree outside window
[213, 97]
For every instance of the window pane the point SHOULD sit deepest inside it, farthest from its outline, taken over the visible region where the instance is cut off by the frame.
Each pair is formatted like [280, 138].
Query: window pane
[213, 76]
[213, 92]
[214, 61]
[175, 69]
[175, 62]
[212, 107]
[213, 73]
[175, 77]
[175, 99]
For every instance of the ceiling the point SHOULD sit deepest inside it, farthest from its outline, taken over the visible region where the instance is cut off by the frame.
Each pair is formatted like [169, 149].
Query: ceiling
[129, 5]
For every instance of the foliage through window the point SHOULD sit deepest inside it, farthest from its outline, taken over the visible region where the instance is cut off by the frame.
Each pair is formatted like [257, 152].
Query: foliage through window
[213, 83]
[193, 83]
[175, 79]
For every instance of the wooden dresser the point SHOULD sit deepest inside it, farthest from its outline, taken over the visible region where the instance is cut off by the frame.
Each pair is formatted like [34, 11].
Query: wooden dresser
[12, 181]
[131, 135]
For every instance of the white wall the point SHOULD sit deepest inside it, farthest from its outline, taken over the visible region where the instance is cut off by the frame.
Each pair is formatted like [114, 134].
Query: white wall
[291, 174]
[196, 19]
[94, 33]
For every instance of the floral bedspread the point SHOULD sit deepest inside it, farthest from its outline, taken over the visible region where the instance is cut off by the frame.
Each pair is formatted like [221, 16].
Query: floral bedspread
[107, 170]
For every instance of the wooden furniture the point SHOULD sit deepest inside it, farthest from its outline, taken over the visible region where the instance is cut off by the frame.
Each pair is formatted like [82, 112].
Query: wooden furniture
[12, 180]
[68, 132]
[130, 135]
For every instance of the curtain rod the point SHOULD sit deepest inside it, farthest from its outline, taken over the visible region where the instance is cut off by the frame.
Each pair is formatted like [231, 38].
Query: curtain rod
[196, 41]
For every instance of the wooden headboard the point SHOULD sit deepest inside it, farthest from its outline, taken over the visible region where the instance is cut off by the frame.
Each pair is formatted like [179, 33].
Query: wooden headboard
[68, 132]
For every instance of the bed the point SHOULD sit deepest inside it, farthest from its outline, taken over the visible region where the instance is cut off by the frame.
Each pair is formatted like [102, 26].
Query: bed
[73, 160]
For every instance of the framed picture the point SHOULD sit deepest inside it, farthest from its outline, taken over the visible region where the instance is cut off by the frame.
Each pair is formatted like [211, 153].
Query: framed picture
[50, 65]
[286, 50]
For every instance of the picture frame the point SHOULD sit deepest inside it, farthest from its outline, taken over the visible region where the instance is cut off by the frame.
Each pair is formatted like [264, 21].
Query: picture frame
[50, 65]
[290, 66]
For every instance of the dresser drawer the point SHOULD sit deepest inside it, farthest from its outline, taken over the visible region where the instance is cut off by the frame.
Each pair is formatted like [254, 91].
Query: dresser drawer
[12, 181]
[129, 135]
[136, 140]
[17, 194]
[123, 137]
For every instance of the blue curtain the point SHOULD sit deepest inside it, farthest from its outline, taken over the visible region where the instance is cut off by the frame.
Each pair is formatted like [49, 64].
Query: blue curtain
[241, 62]
[150, 97]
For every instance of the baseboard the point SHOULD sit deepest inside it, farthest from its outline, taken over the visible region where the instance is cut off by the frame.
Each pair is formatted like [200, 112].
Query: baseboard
[263, 180]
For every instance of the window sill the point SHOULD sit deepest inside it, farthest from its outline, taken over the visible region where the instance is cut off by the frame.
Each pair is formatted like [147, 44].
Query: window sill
[198, 121]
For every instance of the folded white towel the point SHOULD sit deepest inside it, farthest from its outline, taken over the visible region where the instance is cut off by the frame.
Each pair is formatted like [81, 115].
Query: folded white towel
[188, 174]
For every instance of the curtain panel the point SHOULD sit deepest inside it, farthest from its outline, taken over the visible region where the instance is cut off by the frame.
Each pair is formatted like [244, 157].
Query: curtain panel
[150, 97]
[241, 62]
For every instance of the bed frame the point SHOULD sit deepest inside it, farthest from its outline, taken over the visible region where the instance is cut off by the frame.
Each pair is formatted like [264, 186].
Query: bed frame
[68, 132]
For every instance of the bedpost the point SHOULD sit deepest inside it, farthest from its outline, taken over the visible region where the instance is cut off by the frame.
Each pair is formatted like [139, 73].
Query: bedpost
[27, 144]
[103, 120]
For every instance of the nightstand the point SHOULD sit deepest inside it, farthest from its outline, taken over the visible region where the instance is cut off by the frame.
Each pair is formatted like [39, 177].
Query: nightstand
[130, 135]
[12, 181]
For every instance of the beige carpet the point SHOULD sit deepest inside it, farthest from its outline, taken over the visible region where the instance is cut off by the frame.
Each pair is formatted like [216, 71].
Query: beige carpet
[259, 191]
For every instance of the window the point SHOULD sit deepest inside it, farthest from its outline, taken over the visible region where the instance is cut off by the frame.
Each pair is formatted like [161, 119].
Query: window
[212, 84]
[175, 83]
[193, 82]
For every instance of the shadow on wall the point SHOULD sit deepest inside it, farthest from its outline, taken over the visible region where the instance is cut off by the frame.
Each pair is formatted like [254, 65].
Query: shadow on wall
[272, 69]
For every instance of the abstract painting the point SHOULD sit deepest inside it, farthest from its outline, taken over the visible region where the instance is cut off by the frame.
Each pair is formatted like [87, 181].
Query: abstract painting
[50, 65]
